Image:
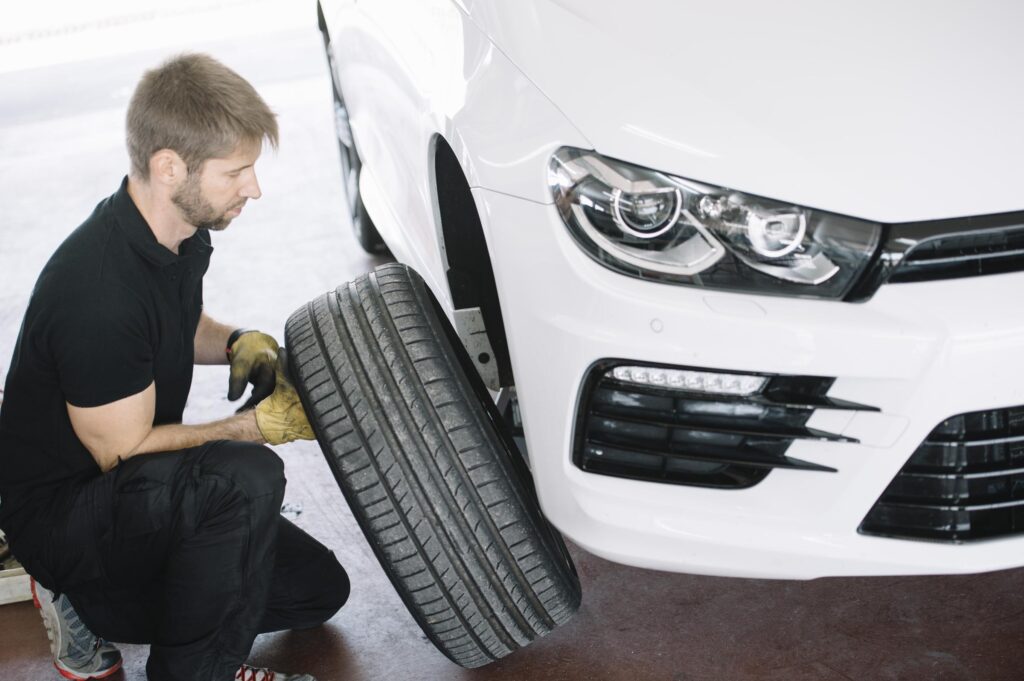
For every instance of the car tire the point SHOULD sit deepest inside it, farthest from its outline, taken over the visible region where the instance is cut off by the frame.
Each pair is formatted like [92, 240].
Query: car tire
[351, 164]
[428, 467]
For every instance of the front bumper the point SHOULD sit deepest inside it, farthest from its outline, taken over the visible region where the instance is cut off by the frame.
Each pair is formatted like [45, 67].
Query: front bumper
[919, 352]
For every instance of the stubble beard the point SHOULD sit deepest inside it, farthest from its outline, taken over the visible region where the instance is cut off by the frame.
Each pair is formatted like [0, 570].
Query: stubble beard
[195, 209]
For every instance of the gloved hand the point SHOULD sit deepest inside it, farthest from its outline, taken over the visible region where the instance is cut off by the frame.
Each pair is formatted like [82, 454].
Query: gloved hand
[280, 417]
[253, 360]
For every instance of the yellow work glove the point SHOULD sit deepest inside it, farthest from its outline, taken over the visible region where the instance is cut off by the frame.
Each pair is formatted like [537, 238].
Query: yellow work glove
[253, 357]
[280, 417]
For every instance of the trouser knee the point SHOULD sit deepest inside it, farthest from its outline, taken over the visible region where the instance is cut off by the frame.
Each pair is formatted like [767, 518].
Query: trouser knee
[332, 592]
[338, 584]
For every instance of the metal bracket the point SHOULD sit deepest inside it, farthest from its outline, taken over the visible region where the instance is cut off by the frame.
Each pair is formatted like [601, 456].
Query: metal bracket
[469, 324]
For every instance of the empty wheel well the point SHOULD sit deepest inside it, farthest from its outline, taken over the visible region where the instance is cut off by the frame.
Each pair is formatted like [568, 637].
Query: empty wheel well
[469, 271]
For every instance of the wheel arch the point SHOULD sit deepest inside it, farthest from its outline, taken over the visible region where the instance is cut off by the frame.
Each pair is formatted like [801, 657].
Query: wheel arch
[464, 251]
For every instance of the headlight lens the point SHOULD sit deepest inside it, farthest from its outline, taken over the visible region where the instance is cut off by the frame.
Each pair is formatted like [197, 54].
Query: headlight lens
[652, 225]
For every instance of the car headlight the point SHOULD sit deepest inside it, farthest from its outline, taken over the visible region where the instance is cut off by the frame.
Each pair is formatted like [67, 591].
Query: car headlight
[652, 225]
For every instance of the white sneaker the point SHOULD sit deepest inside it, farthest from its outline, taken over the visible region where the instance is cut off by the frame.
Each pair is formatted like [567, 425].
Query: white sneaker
[247, 673]
[78, 654]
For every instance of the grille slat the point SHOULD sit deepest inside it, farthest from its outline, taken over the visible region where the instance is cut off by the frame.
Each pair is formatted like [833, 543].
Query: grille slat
[1009, 439]
[965, 482]
[972, 508]
[965, 459]
[625, 463]
[812, 404]
[770, 431]
[966, 476]
[750, 457]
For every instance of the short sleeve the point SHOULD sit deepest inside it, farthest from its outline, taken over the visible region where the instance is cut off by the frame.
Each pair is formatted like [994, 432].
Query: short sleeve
[101, 347]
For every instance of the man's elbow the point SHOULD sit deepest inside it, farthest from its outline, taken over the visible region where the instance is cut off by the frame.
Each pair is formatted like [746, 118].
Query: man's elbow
[108, 454]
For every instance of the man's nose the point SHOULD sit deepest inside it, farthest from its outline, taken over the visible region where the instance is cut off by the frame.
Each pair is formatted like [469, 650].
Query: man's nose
[251, 189]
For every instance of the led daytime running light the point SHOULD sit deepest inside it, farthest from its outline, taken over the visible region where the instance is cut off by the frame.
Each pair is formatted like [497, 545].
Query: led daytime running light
[694, 381]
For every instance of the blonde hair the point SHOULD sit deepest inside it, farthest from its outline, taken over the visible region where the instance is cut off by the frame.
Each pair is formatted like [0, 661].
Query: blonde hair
[197, 107]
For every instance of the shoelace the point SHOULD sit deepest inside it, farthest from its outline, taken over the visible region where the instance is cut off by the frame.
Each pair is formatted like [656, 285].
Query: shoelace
[247, 673]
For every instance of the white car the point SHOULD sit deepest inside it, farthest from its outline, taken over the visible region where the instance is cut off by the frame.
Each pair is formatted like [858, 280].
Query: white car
[755, 271]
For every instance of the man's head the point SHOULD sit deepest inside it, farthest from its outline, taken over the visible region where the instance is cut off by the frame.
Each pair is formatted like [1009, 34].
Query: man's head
[199, 127]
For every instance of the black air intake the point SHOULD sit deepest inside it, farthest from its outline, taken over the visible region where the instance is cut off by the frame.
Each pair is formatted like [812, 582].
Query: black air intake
[965, 482]
[683, 437]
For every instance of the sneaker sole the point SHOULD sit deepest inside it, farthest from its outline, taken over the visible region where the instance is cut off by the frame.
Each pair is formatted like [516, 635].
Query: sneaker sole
[46, 622]
[77, 677]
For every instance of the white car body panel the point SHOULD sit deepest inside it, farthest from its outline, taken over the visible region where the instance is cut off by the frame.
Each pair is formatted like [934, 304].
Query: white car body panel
[509, 124]
[902, 352]
[893, 112]
[915, 115]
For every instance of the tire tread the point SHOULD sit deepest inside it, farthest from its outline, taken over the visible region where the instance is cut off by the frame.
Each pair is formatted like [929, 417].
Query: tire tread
[452, 518]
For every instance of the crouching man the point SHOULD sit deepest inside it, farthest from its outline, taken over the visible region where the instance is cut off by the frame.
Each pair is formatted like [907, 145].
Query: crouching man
[137, 528]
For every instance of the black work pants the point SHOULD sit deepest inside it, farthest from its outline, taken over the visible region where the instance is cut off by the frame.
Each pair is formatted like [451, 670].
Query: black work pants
[187, 551]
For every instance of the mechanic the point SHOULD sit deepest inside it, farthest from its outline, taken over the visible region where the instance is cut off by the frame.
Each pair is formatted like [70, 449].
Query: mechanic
[137, 528]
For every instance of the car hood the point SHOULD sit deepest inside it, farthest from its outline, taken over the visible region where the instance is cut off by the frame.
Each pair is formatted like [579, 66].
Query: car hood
[893, 112]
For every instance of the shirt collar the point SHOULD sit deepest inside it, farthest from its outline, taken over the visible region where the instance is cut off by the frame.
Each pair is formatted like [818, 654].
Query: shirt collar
[142, 239]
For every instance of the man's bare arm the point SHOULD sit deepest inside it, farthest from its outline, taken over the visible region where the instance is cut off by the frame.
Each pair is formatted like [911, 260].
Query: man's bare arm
[120, 430]
[211, 341]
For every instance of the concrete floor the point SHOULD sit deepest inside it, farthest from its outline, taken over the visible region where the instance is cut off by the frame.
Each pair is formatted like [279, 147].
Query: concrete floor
[634, 624]
[61, 136]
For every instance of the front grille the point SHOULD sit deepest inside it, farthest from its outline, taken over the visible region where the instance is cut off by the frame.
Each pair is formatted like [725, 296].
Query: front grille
[689, 438]
[968, 254]
[965, 482]
[944, 249]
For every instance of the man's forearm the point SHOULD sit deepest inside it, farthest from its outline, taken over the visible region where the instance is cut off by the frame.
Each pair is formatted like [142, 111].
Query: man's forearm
[211, 341]
[179, 436]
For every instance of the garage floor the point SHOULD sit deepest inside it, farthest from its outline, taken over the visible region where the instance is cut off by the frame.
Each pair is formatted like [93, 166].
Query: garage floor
[634, 624]
[61, 136]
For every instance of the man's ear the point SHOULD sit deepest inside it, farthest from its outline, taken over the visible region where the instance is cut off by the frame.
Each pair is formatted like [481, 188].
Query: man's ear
[166, 167]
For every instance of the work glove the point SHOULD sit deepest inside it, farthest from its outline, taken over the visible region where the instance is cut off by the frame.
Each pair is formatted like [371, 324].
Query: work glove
[253, 358]
[280, 417]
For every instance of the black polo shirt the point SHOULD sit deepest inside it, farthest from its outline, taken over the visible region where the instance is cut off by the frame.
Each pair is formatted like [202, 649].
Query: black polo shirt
[112, 312]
